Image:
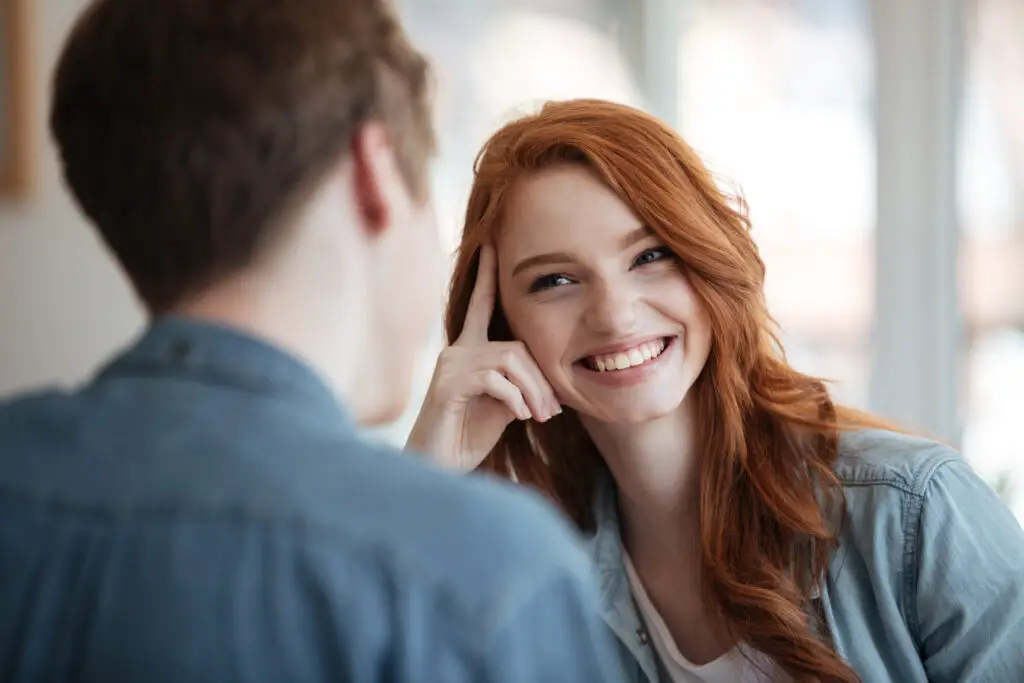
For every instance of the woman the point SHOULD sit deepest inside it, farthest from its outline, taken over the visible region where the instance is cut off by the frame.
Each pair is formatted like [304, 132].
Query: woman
[611, 348]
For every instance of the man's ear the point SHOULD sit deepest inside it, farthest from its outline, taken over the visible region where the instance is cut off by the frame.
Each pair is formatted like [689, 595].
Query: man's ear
[373, 170]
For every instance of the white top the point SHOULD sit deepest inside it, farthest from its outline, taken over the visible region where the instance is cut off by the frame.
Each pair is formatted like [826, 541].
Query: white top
[739, 665]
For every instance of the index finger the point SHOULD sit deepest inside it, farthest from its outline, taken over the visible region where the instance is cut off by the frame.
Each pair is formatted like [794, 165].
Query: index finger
[481, 302]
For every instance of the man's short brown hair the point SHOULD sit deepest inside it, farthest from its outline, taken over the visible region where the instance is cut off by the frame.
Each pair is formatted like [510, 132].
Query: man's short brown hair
[188, 128]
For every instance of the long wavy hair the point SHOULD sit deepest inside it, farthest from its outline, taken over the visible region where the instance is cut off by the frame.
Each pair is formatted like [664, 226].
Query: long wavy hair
[770, 503]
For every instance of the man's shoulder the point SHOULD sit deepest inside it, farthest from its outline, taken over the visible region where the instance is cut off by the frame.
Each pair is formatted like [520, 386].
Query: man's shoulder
[482, 546]
[474, 532]
[249, 468]
[20, 409]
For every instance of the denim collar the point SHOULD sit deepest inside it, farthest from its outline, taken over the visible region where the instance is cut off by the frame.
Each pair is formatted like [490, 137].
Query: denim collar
[618, 608]
[201, 351]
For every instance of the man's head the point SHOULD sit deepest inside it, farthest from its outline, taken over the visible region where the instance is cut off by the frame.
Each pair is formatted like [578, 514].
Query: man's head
[264, 162]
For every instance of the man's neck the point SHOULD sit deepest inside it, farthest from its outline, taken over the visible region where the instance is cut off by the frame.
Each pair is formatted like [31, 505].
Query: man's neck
[282, 317]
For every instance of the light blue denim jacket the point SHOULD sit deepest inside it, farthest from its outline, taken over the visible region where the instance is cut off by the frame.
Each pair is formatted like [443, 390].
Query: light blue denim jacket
[927, 583]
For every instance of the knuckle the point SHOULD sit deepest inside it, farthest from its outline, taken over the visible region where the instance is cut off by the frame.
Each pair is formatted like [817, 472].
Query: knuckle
[513, 348]
[447, 358]
[509, 357]
[493, 380]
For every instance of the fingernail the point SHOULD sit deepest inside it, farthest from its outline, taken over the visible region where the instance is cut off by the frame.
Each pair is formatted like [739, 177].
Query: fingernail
[554, 407]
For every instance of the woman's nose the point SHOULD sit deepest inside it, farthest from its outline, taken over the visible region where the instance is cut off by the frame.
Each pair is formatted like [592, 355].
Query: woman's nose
[611, 310]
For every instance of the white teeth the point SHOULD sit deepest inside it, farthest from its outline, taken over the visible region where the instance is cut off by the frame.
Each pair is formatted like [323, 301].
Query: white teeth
[628, 359]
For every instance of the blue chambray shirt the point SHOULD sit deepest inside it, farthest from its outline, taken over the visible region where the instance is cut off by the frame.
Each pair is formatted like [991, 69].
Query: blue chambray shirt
[204, 511]
[927, 584]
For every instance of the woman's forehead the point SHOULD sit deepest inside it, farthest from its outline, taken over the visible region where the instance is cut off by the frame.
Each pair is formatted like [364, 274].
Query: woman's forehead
[566, 204]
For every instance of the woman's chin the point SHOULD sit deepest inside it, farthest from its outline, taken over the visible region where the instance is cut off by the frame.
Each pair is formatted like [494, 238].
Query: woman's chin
[632, 412]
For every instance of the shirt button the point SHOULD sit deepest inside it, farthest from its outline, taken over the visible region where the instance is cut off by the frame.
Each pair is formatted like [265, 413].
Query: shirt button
[641, 635]
[180, 350]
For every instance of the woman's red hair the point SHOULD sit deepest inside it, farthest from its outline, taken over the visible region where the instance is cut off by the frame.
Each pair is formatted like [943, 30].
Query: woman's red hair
[770, 502]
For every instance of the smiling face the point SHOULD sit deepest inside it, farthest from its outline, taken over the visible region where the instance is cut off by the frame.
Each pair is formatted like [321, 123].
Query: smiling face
[604, 307]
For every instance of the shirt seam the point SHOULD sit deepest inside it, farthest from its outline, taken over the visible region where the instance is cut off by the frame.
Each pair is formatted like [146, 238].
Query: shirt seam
[919, 478]
[912, 514]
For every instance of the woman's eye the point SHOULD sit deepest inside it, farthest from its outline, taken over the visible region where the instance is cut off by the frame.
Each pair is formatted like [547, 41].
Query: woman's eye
[549, 282]
[652, 255]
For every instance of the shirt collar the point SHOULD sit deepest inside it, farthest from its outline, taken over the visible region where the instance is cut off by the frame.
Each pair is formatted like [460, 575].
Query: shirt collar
[618, 607]
[208, 352]
[605, 546]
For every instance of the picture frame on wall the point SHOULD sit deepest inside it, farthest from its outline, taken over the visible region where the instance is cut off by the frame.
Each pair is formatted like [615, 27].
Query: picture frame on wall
[15, 174]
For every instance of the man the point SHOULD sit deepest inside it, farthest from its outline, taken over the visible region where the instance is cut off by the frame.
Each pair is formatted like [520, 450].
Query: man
[203, 510]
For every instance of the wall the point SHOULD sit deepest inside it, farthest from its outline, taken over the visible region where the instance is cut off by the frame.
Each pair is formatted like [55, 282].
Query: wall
[64, 305]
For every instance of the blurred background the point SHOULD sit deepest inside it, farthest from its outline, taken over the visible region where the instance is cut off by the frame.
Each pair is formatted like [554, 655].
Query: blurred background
[879, 143]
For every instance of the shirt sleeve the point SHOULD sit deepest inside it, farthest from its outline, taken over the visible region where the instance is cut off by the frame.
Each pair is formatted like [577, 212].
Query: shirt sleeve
[970, 581]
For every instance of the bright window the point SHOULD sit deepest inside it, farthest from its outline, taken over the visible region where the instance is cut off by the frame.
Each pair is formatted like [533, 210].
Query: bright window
[776, 96]
[991, 198]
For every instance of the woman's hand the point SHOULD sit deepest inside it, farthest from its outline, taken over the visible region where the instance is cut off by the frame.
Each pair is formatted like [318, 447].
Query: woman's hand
[479, 386]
